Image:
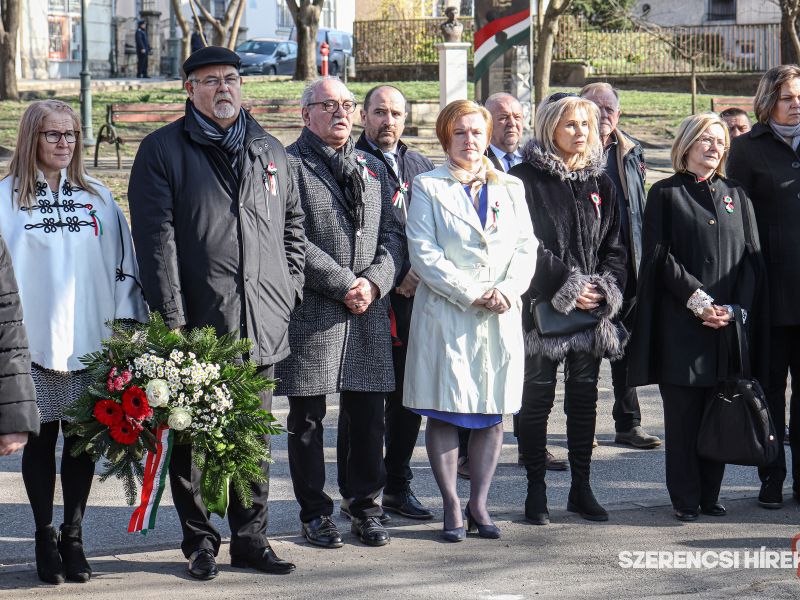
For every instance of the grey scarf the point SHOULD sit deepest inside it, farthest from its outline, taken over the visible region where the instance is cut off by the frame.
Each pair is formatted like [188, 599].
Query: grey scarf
[230, 141]
[346, 171]
[787, 131]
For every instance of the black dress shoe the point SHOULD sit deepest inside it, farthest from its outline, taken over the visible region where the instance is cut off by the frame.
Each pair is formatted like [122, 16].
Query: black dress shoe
[714, 510]
[265, 560]
[406, 504]
[688, 514]
[551, 463]
[370, 531]
[322, 532]
[771, 494]
[202, 564]
[344, 510]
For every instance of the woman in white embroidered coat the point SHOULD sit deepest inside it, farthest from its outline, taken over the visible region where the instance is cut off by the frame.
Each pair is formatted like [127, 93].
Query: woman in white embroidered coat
[471, 241]
[72, 254]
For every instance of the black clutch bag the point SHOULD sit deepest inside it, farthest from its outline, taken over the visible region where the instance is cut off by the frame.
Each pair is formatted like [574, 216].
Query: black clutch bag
[551, 323]
[737, 427]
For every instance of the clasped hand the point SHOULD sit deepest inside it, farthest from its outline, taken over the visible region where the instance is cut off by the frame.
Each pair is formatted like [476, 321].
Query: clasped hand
[715, 316]
[589, 298]
[361, 295]
[494, 301]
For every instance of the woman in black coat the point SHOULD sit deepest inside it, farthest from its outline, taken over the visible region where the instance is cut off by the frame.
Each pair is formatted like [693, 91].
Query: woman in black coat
[701, 257]
[580, 268]
[767, 164]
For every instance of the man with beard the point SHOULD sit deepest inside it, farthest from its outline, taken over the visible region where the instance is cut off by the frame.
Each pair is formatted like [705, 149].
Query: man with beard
[340, 335]
[219, 239]
[626, 168]
[384, 118]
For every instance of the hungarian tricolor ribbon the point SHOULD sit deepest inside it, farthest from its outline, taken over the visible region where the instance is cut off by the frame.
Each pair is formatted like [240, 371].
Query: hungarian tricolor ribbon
[365, 170]
[399, 198]
[272, 178]
[597, 203]
[155, 480]
[728, 202]
[98, 226]
[495, 212]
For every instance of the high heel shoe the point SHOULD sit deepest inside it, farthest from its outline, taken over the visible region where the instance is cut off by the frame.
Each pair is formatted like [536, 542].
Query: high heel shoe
[456, 534]
[490, 530]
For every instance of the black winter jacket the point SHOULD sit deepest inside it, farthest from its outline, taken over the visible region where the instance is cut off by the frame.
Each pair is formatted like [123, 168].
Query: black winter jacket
[215, 248]
[769, 171]
[695, 243]
[575, 217]
[18, 412]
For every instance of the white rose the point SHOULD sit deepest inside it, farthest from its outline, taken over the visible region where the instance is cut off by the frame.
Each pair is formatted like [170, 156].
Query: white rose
[179, 419]
[157, 392]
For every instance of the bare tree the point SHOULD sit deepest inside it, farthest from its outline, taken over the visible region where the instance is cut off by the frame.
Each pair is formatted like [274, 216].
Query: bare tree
[226, 29]
[790, 42]
[548, 28]
[183, 23]
[9, 27]
[306, 21]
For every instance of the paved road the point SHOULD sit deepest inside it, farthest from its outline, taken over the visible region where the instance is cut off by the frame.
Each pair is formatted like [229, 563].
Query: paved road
[571, 558]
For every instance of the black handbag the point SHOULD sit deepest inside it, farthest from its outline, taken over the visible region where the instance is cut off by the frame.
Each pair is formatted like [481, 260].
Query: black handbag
[737, 427]
[551, 323]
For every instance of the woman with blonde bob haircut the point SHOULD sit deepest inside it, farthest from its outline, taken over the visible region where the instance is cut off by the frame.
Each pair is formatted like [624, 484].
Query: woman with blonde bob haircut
[72, 255]
[471, 242]
[766, 161]
[580, 274]
[701, 262]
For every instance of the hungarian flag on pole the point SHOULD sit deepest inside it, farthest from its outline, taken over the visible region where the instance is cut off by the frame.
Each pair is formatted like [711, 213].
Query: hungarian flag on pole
[497, 36]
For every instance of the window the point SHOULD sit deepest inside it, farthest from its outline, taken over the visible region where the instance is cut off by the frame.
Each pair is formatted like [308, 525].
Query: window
[328, 16]
[721, 10]
[64, 6]
[284, 19]
[58, 29]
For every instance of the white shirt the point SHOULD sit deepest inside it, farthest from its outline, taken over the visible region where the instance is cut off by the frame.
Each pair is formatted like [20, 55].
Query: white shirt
[75, 268]
[501, 155]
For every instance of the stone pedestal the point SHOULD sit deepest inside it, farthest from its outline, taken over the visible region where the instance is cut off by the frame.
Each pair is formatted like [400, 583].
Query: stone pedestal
[152, 19]
[452, 72]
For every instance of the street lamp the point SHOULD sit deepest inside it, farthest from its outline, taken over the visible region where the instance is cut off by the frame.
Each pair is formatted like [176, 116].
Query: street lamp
[86, 79]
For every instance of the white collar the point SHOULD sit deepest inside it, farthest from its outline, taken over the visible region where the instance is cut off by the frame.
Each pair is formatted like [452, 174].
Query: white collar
[500, 153]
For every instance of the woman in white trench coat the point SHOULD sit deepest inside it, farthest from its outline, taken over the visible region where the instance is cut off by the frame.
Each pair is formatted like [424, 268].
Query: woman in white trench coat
[471, 243]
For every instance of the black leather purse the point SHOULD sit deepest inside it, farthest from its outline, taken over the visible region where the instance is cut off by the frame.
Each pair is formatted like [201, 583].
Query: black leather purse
[737, 427]
[551, 323]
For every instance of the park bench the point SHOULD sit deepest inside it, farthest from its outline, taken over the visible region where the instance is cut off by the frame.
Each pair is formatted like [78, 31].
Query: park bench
[271, 114]
[723, 102]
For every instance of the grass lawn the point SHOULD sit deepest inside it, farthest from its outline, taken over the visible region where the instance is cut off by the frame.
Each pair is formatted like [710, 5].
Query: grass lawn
[649, 116]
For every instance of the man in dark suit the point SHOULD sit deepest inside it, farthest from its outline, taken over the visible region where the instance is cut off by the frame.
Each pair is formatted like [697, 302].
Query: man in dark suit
[142, 49]
[219, 239]
[626, 168]
[384, 117]
[507, 117]
[340, 335]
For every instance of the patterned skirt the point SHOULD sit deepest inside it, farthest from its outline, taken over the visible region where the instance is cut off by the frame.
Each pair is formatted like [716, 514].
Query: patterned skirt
[57, 390]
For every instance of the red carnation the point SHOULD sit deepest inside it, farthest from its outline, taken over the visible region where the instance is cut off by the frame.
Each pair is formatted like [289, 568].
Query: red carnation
[125, 432]
[134, 403]
[108, 412]
[126, 377]
[119, 383]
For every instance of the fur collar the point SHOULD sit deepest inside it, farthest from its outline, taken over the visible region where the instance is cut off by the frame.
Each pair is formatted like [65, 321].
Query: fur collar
[533, 153]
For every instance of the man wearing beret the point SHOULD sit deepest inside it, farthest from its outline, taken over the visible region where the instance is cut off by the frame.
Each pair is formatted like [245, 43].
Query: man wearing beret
[218, 229]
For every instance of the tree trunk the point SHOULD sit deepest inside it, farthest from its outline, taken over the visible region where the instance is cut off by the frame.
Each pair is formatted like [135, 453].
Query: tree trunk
[544, 47]
[790, 46]
[186, 35]
[693, 85]
[234, 31]
[9, 28]
[306, 21]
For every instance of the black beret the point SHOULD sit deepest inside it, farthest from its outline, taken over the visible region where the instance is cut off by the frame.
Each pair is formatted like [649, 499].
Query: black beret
[210, 55]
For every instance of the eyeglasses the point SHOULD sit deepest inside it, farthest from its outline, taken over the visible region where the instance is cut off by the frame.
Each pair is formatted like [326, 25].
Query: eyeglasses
[213, 82]
[55, 136]
[332, 106]
[707, 142]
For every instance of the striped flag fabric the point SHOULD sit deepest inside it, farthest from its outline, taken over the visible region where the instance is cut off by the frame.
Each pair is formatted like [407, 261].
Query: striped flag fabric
[497, 37]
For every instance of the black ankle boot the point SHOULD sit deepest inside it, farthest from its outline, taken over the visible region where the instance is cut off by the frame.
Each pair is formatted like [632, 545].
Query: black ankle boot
[536, 511]
[70, 546]
[582, 501]
[48, 561]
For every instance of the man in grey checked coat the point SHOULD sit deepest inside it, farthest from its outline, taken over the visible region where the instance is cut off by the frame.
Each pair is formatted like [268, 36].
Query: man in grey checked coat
[340, 335]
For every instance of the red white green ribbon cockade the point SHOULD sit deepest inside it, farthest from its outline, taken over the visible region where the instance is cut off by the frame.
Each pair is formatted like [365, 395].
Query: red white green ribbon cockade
[597, 203]
[155, 480]
[272, 178]
[399, 198]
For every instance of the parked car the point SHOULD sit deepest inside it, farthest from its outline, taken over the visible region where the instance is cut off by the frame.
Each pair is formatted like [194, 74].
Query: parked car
[340, 43]
[267, 56]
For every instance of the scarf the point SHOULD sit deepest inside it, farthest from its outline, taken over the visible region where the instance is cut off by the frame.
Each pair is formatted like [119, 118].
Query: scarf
[475, 181]
[230, 141]
[345, 170]
[787, 131]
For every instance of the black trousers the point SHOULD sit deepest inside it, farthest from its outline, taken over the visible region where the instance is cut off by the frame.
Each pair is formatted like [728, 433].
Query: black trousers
[248, 525]
[784, 357]
[362, 420]
[691, 481]
[626, 411]
[141, 64]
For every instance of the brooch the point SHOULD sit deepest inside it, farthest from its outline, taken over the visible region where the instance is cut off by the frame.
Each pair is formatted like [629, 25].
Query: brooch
[271, 179]
[597, 203]
[399, 198]
[728, 202]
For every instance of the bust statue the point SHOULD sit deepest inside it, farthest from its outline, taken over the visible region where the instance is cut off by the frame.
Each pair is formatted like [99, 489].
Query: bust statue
[451, 29]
